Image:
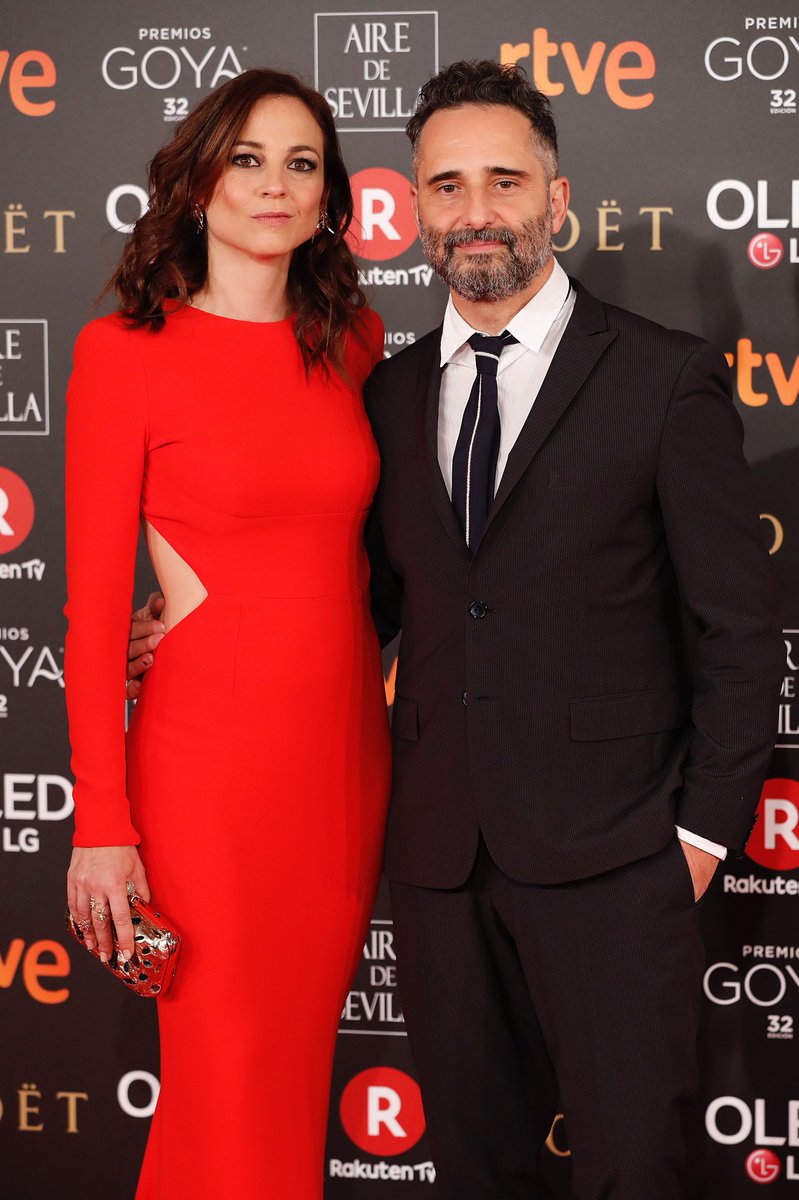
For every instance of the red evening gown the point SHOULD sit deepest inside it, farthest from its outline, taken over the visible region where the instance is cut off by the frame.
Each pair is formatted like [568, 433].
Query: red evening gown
[256, 770]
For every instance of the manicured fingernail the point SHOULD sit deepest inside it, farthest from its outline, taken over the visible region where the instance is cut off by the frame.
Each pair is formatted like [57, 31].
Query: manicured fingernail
[127, 955]
[103, 956]
[89, 944]
[162, 626]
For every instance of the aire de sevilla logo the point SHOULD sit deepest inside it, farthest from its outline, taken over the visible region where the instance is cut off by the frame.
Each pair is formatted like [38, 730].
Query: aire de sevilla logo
[381, 1111]
[763, 1166]
[774, 842]
[16, 510]
[383, 224]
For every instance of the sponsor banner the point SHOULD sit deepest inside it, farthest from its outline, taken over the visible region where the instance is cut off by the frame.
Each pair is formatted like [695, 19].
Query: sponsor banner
[24, 378]
[370, 66]
[175, 64]
[762, 52]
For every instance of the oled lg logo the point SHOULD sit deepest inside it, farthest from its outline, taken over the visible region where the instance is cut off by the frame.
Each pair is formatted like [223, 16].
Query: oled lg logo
[733, 204]
[763, 1166]
[765, 251]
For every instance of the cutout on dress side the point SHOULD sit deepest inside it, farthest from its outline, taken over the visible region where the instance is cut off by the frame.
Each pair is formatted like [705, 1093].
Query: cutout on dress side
[183, 590]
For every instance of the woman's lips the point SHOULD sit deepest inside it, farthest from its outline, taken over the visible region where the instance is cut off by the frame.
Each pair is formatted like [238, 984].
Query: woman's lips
[271, 218]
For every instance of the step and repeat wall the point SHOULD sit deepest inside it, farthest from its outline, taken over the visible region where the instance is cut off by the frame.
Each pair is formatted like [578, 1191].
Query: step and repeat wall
[679, 132]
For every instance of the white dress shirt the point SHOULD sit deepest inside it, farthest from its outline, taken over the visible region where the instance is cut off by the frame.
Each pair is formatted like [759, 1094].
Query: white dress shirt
[538, 328]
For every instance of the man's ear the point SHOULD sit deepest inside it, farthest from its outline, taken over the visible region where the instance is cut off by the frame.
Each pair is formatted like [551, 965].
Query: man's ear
[415, 203]
[559, 192]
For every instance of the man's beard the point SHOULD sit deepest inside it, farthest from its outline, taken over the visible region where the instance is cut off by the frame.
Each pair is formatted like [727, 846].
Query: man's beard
[497, 275]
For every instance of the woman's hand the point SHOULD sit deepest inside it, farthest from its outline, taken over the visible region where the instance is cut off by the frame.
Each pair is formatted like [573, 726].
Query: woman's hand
[146, 631]
[97, 894]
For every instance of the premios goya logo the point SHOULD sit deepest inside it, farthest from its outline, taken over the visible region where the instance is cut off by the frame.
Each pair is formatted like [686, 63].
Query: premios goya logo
[766, 53]
[180, 60]
[759, 210]
[370, 66]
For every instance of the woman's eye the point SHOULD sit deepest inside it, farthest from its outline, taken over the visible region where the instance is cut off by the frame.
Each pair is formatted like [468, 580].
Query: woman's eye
[303, 165]
[245, 160]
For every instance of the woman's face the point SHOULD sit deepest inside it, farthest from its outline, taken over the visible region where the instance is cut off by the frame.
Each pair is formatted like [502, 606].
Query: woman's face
[268, 198]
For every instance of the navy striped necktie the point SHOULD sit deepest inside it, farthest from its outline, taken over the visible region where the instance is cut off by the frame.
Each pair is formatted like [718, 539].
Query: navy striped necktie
[474, 464]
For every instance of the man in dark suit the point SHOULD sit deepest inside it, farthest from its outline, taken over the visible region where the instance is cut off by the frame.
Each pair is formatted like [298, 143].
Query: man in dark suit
[588, 674]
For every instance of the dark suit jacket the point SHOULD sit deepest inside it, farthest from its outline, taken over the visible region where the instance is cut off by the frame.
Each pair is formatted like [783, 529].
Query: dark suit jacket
[608, 661]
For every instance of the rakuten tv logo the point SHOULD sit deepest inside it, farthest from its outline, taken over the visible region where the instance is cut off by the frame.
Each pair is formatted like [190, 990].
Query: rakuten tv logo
[381, 1111]
[775, 842]
[16, 510]
[383, 225]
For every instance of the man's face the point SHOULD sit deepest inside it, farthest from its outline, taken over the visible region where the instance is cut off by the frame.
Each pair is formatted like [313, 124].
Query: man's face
[486, 210]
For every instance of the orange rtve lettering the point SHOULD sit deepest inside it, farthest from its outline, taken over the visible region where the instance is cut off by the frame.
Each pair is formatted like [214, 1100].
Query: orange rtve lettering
[21, 80]
[34, 969]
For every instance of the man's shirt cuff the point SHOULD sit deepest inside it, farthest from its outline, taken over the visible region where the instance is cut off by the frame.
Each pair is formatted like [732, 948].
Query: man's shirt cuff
[693, 839]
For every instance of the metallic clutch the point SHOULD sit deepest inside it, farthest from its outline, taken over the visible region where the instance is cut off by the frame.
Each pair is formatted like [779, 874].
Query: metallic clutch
[152, 968]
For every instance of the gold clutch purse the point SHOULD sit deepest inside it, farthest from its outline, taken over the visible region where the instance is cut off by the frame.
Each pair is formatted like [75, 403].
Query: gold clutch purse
[151, 969]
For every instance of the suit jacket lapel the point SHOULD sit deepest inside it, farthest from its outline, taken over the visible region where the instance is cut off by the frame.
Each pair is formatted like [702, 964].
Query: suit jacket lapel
[584, 341]
[430, 387]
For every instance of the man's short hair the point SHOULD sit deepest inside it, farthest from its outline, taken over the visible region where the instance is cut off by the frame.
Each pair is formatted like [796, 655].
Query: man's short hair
[485, 82]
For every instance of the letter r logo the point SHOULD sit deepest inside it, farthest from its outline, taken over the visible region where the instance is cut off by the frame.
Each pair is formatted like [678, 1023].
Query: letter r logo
[381, 1111]
[382, 226]
[775, 841]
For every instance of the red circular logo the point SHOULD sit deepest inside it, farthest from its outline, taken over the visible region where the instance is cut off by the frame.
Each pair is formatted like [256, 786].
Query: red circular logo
[16, 510]
[765, 251]
[381, 1111]
[775, 838]
[383, 225]
[763, 1166]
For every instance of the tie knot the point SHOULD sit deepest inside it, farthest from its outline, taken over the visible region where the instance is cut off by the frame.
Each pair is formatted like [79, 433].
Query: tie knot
[488, 349]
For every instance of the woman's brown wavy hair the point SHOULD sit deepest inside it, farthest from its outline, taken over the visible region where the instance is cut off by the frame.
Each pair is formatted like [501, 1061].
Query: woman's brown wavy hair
[165, 258]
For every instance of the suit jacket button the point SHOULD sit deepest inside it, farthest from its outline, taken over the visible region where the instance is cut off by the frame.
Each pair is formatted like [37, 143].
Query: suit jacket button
[465, 697]
[478, 610]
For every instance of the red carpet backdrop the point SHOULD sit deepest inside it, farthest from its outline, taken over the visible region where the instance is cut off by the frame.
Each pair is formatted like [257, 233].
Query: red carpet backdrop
[679, 132]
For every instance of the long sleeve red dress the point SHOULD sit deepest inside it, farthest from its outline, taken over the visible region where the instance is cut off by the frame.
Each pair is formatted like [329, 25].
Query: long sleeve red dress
[255, 773]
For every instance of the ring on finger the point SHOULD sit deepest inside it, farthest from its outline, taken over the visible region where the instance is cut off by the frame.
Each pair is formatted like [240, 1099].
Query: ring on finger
[84, 925]
[100, 913]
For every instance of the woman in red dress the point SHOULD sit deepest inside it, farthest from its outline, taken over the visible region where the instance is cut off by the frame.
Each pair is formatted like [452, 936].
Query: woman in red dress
[221, 408]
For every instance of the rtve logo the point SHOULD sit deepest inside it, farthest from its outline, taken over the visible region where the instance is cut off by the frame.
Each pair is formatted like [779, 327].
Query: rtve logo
[625, 62]
[29, 71]
[383, 225]
[774, 842]
[16, 510]
[381, 1111]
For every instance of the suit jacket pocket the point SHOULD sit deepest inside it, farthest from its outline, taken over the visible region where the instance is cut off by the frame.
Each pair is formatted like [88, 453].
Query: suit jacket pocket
[627, 714]
[405, 719]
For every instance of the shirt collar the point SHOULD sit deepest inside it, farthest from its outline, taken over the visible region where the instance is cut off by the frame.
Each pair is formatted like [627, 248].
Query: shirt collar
[530, 325]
